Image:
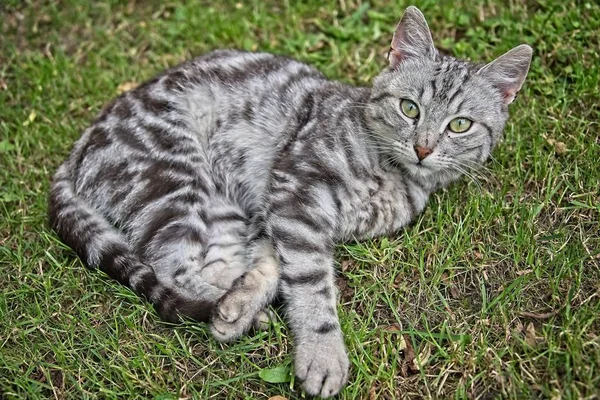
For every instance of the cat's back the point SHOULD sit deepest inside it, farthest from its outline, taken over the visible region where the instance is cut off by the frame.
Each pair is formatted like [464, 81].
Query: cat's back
[226, 110]
[212, 97]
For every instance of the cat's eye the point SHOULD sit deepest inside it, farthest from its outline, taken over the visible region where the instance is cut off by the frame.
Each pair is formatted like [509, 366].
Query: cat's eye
[460, 125]
[409, 108]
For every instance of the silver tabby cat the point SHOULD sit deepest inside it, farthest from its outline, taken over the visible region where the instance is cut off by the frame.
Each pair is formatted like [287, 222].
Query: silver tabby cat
[228, 180]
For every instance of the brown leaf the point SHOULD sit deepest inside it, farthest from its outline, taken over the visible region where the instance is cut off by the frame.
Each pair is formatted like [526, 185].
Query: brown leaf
[524, 271]
[347, 264]
[392, 328]
[518, 326]
[423, 358]
[454, 293]
[446, 278]
[530, 336]
[277, 398]
[345, 291]
[560, 148]
[126, 86]
[373, 392]
[538, 315]
[409, 357]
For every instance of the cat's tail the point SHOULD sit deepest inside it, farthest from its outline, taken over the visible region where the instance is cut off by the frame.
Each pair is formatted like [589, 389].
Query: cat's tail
[101, 245]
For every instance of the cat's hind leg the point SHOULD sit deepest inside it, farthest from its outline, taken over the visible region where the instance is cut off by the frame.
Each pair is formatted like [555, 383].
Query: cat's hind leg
[242, 306]
[199, 250]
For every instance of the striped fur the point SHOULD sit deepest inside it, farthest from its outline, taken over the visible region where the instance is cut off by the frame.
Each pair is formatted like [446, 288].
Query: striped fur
[229, 179]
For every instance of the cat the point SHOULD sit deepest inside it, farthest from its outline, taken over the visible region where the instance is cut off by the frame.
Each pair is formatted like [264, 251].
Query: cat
[228, 179]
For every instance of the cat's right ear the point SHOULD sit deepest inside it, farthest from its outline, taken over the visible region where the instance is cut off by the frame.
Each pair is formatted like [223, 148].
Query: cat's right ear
[412, 38]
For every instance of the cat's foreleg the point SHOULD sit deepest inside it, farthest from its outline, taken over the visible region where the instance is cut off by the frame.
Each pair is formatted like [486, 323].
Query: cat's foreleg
[301, 227]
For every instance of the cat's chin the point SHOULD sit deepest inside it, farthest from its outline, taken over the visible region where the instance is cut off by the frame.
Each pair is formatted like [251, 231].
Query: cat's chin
[431, 178]
[419, 171]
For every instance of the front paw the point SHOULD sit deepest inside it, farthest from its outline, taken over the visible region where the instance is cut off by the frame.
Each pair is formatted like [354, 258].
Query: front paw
[322, 363]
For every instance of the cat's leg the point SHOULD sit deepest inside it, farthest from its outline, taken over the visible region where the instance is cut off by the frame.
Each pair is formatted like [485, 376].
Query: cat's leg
[301, 224]
[198, 250]
[242, 306]
[226, 251]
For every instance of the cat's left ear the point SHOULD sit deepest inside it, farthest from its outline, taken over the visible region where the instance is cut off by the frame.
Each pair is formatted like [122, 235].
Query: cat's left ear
[508, 72]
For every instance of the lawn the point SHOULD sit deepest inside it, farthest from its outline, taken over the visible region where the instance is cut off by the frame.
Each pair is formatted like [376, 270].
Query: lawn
[493, 292]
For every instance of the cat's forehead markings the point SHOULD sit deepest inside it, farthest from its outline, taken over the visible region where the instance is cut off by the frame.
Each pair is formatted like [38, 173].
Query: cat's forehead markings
[428, 92]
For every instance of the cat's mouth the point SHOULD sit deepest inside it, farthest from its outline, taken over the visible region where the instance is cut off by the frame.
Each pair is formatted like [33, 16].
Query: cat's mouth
[418, 170]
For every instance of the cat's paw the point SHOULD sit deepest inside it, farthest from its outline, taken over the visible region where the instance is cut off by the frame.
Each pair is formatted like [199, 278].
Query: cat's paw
[322, 364]
[233, 316]
[242, 306]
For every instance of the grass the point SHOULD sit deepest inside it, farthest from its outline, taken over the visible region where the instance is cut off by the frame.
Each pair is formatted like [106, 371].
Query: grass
[493, 292]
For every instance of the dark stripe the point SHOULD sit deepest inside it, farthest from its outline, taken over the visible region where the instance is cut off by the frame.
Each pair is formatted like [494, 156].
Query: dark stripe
[249, 69]
[178, 232]
[179, 271]
[171, 305]
[162, 218]
[382, 96]
[169, 141]
[326, 328]
[293, 211]
[347, 148]
[146, 284]
[294, 79]
[305, 111]
[421, 93]
[295, 242]
[307, 278]
[129, 138]
[122, 109]
[454, 95]
[98, 138]
[325, 292]
[248, 111]
[188, 198]
[156, 188]
[433, 84]
[468, 149]
[152, 104]
[175, 80]
[229, 217]
[489, 132]
[411, 203]
[381, 119]
[116, 261]
[223, 245]
[459, 107]
[213, 262]
[280, 177]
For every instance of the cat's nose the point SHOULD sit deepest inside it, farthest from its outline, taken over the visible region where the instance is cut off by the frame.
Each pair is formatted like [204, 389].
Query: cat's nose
[422, 152]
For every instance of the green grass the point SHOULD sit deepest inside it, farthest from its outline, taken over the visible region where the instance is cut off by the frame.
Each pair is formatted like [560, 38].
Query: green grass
[493, 292]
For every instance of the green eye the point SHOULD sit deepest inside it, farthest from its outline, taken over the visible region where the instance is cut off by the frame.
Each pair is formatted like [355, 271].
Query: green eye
[409, 108]
[460, 125]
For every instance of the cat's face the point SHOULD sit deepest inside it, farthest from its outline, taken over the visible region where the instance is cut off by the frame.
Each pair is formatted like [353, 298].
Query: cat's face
[439, 117]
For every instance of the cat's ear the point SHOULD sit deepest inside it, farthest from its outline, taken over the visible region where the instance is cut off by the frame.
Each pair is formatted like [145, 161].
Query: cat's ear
[412, 38]
[508, 72]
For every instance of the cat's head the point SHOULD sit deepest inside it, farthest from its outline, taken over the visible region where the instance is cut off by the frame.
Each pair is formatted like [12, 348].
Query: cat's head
[437, 116]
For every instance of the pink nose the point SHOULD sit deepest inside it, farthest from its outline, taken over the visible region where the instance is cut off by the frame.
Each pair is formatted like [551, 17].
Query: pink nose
[422, 152]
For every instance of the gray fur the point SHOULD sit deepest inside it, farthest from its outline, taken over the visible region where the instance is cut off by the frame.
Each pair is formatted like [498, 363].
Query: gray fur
[229, 179]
